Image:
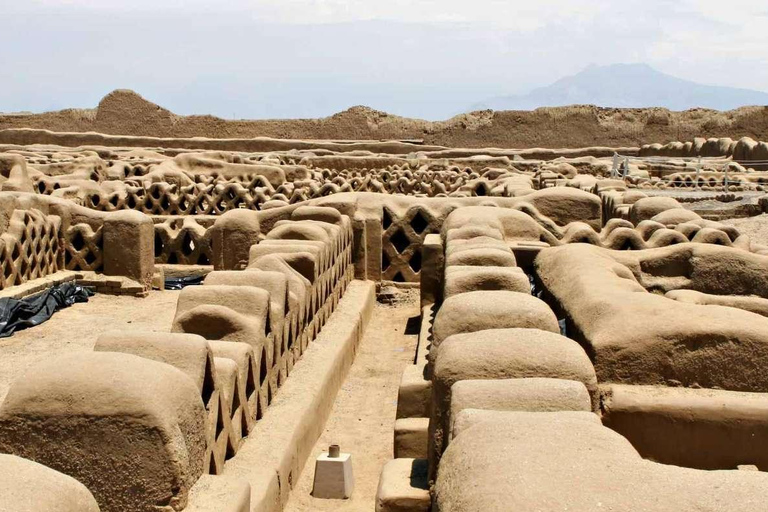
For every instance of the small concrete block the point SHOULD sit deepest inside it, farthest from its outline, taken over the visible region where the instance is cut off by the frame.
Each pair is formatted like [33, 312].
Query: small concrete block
[411, 438]
[333, 477]
[403, 487]
[415, 393]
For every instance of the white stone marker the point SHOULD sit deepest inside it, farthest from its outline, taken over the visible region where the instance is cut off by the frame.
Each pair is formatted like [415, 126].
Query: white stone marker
[333, 475]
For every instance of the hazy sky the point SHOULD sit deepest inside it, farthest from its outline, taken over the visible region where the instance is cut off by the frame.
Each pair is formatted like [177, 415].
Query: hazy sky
[310, 58]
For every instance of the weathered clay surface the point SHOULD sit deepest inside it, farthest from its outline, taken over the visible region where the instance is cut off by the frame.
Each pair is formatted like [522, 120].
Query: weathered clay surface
[559, 461]
[555, 285]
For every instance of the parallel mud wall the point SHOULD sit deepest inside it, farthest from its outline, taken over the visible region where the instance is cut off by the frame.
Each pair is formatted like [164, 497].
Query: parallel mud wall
[126, 113]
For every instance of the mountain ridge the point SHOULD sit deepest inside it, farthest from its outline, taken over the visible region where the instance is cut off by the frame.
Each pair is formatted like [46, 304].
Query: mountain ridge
[628, 86]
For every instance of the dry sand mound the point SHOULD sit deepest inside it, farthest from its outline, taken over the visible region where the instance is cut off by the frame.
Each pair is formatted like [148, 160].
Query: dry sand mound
[123, 112]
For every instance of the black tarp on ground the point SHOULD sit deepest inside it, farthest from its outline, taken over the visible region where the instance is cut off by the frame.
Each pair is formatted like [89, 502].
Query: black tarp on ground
[18, 314]
[177, 283]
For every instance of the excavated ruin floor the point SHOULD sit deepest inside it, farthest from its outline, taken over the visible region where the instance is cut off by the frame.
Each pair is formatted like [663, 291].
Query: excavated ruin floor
[364, 411]
[77, 327]
[755, 227]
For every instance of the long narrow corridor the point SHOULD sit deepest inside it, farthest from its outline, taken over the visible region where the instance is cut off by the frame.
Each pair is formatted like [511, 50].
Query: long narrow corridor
[363, 415]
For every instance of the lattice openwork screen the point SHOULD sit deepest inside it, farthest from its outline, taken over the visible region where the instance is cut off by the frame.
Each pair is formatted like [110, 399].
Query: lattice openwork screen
[402, 237]
[83, 248]
[182, 241]
[214, 195]
[30, 248]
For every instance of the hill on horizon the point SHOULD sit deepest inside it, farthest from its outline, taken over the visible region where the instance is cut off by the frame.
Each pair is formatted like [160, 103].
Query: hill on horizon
[124, 112]
[627, 86]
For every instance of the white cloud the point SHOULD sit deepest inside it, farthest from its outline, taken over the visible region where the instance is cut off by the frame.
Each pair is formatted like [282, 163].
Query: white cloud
[715, 42]
[509, 14]
[455, 52]
[496, 13]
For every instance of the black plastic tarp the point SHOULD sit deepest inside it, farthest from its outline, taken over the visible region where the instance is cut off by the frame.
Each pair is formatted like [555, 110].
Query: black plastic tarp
[18, 314]
[177, 283]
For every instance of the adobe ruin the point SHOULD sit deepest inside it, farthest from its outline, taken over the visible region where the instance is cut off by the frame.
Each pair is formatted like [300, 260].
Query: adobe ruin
[591, 333]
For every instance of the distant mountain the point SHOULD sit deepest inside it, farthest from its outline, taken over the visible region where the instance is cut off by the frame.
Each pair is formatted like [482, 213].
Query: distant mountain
[629, 86]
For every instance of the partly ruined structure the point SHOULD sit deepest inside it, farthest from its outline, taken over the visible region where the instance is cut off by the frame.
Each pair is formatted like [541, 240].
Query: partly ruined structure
[593, 332]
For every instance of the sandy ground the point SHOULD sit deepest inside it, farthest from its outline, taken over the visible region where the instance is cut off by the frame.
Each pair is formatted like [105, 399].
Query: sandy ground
[77, 327]
[755, 227]
[363, 416]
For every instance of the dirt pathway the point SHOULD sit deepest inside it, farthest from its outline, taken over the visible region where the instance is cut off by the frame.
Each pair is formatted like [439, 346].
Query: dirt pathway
[363, 416]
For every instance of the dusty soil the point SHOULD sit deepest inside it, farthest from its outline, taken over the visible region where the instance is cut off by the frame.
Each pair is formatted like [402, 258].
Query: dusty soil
[363, 416]
[77, 327]
[124, 112]
[755, 227]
